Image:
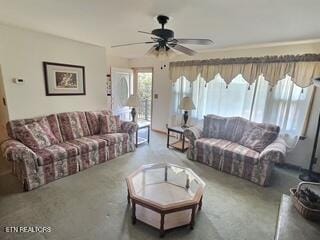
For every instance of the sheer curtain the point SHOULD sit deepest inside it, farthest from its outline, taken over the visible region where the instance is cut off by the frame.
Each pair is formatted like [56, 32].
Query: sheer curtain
[286, 104]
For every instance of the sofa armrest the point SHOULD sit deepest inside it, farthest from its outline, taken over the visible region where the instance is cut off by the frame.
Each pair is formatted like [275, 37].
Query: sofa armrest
[275, 152]
[193, 133]
[129, 127]
[13, 150]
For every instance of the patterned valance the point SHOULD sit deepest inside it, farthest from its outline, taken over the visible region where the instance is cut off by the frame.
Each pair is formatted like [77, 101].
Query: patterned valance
[301, 68]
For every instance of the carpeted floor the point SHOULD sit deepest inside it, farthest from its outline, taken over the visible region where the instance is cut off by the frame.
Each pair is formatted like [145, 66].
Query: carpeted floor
[92, 204]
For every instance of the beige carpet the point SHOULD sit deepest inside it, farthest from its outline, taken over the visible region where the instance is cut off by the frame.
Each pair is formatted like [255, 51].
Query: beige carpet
[93, 205]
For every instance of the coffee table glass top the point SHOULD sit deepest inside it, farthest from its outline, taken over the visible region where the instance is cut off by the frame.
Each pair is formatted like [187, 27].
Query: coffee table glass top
[165, 185]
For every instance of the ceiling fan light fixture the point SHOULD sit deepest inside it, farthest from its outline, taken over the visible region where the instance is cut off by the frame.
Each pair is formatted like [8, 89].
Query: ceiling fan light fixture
[170, 53]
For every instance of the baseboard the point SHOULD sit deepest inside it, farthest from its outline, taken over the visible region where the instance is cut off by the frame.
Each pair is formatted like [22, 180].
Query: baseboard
[294, 167]
[159, 131]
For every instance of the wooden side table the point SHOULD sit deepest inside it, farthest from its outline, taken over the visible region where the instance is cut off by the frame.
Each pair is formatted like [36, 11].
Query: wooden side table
[181, 144]
[142, 125]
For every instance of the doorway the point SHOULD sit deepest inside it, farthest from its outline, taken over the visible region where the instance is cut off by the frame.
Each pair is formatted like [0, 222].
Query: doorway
[122, 88]
[144, 78]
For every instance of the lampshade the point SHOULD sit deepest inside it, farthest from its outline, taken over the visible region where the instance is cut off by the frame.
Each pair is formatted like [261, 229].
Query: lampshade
[186, 104]
[316, 82]
[133, 101]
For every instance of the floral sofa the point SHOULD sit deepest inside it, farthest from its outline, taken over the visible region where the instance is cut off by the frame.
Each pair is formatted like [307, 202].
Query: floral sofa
[237, 146]
[66, 144]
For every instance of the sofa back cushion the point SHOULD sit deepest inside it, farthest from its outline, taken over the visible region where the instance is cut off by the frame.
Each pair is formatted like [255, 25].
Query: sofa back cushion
[109, 124]
[213, 126]
[257, 138]
[36, 135]
[93, 120]
[73, 125]
[234, 128]
[52, 120]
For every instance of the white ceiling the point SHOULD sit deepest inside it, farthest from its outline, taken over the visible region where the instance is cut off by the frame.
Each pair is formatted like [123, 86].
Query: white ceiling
[108, 22]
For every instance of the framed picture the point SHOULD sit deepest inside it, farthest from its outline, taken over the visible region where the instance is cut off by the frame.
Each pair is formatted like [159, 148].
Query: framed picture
[64, 79]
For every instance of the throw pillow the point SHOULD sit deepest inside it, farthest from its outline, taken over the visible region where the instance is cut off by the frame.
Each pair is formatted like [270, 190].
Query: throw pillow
[213, 126]
[109, 124]
[257, 138]
[36, 135]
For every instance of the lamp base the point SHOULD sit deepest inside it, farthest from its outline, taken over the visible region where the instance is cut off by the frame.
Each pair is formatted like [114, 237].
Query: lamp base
[309, 177]
[133, 114]
[185, 119]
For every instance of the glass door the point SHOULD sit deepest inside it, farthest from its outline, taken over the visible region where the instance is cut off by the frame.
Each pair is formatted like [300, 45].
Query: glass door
[144, 92]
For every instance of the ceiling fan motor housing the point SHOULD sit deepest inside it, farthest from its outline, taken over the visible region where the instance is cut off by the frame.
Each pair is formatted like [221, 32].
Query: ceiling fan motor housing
[166, 34]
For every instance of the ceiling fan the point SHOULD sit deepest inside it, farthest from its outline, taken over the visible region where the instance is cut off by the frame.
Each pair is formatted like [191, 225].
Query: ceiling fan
[164, 41]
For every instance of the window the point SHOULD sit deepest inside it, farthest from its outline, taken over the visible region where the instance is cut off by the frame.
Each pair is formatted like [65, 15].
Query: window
[285, 104]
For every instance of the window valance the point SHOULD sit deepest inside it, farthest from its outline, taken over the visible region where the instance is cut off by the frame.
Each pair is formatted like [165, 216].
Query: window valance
[301, 68]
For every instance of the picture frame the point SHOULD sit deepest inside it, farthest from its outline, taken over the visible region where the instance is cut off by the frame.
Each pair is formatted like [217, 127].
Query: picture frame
[64, 79]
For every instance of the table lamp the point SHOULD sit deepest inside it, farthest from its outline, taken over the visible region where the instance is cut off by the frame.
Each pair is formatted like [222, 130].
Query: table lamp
[133, 102]
[186, 104]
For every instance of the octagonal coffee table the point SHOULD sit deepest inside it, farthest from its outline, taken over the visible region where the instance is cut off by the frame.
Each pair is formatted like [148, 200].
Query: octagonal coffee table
[165, 196]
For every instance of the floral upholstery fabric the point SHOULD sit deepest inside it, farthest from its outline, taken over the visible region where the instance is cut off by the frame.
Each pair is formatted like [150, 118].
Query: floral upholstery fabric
[226, 154]
[109, 124]
[36, 135]
[257, 138]
[240, 153]
[88, 144]
[93, 120]
[73, 125]
[35, 168]
[128, 127]
[274, 152]
[234, 128]
[209, 150]
[113, 138]
[55, 153]
[213, 127]
[52, 120]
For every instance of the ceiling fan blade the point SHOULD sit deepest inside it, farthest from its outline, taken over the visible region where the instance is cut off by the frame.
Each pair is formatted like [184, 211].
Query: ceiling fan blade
[151, 50]
[183, 49]
[194, 41]
[151, 34]
[128, 44]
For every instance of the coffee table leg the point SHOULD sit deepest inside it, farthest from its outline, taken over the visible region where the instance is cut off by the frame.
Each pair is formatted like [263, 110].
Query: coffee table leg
[162, 225]
[192, 217]
[133, 212]
[200, 203]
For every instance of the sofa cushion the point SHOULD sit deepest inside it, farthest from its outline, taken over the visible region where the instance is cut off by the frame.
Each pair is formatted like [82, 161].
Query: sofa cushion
[73, 125]
[257, 138]
[211, 145]
[234, 128]
[213, 126]
[52, 120]
[240, 153]
[55, 127]
[55, 153]
[109, 124]
[88, 144]
[113, 138]
[93, 120]
[266, 126]
[36, 135]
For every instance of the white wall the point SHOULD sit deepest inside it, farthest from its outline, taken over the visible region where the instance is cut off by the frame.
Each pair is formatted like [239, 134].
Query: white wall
[21, 55]
[162, 85]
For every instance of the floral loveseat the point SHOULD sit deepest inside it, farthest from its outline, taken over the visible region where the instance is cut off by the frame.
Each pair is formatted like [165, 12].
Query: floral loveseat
[66, 143]
[237, 146]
